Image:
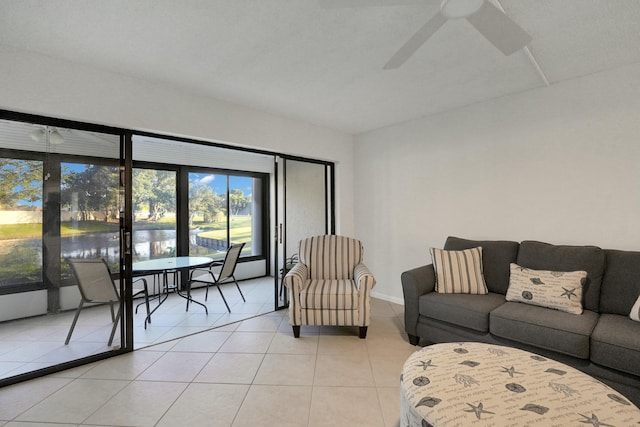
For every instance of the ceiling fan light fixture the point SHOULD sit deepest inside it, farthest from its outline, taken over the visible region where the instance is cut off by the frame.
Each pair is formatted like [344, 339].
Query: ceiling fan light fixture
[55, 138]
[455, 9]
[37, 135]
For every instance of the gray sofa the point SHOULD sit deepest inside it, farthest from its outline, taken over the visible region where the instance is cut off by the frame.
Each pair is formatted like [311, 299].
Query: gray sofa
[603, 341]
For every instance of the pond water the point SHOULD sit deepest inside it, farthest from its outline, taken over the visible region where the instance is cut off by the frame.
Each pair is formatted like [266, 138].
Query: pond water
[26, 255]
[146, 244]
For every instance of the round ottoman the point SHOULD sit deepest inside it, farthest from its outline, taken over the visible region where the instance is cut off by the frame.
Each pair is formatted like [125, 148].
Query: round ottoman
[476, 384]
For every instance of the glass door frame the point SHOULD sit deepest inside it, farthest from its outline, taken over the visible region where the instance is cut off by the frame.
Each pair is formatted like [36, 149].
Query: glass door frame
[281, 297]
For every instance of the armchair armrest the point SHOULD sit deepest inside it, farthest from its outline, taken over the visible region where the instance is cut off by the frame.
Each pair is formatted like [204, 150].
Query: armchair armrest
[296, 277]
[416, 282]
[363, 278]
[364, 282]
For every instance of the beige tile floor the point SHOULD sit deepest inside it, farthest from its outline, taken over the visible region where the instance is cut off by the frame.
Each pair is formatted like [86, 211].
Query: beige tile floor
[248, 373]
[38, 342]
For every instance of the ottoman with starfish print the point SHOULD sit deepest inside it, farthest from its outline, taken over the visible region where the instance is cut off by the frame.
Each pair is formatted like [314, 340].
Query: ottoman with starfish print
[476, 384]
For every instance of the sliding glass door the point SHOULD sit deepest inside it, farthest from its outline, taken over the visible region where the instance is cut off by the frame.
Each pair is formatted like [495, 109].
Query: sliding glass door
[71, 190]
[61, 199]
[304, 209]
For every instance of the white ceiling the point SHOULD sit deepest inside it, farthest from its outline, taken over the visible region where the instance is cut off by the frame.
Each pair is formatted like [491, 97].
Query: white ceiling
[324, 65]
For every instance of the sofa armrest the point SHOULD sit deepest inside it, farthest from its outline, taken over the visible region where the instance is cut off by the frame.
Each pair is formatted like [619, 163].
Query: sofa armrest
[416, 282]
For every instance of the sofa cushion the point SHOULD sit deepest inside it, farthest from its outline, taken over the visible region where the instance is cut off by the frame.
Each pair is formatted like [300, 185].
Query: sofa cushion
[458, 272]
[552, 289]
[621, 282]
[496, 257]
[615, 343]
[468, 311]
[549, 329]
[544, 256]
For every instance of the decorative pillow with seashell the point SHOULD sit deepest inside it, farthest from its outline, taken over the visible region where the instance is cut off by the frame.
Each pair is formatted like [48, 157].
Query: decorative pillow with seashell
[559, 290]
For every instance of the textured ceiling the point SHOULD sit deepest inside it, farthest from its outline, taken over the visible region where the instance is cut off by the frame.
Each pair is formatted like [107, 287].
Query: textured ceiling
[324, 65]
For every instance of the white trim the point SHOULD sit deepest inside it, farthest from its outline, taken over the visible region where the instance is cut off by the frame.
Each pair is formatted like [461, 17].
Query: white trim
[388, 298]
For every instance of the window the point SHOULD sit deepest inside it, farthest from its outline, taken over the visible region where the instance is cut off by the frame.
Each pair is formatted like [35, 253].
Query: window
[222, 193]
[154, 211]
[223, 210]
[207, 214]
[89, 214]
[59, 198]
[20, 221]
[244, 211]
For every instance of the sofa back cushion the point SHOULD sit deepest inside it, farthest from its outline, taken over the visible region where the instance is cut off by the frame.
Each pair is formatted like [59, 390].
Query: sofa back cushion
[545, 256]
[621, 282]
[497, 255]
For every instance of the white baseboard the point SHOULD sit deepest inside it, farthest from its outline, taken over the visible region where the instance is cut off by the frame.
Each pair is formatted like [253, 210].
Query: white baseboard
[384, 297]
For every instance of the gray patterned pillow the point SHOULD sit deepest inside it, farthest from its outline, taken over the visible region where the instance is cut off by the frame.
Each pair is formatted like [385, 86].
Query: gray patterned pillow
[552, 289]
[459, 272]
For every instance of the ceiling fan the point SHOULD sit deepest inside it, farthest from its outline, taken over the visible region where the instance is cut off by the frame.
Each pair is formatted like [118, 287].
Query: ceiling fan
[489, 20]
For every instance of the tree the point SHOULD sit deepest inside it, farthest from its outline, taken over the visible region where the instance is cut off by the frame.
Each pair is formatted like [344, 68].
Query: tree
[93, 190]
[237, 201]
[202, 200]
[156, 189]
[20, 181]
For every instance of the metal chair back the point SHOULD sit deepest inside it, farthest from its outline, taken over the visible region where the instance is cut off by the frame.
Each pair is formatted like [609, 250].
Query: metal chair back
[94, 280]
[230, 261]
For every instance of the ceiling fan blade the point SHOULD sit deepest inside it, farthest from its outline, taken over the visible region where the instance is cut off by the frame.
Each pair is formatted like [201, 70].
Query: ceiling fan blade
[334, 4]
[499, 29]
[417, 40]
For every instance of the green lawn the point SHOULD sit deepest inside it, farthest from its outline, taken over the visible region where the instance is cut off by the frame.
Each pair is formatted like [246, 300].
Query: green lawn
[20, 231]
[240, 228]
[238, 234]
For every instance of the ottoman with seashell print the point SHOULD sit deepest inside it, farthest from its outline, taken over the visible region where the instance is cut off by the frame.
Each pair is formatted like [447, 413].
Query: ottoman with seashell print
[477, 384]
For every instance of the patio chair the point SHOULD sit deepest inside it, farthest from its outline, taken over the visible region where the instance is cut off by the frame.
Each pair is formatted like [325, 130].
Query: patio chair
[97, 286]
[226, 274]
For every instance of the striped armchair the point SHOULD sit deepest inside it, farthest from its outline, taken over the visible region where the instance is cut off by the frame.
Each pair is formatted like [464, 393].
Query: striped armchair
[330, 285]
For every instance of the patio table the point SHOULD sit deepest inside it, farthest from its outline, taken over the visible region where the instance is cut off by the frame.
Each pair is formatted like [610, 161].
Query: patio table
[164, 266]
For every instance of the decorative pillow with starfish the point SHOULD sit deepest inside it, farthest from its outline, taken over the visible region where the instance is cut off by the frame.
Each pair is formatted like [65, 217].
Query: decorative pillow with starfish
[559, 290]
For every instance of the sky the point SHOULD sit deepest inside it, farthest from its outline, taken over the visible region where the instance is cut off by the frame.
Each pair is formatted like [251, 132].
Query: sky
[219, 184]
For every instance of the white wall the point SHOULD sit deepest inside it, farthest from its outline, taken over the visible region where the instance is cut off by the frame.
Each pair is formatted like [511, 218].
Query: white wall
[23, 305]
[558, 164]
[38, 84]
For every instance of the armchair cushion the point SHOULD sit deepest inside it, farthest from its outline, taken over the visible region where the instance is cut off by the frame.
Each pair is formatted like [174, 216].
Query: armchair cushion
[329, 294]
